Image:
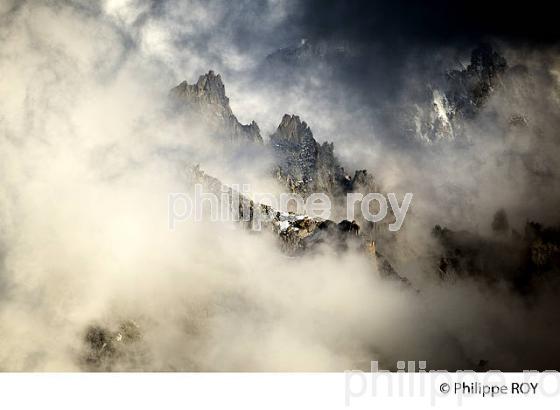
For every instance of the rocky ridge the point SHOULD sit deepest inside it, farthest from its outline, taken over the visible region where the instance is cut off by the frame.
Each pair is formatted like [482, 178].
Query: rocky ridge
[298, 234]
[521, 260]
[303, 165]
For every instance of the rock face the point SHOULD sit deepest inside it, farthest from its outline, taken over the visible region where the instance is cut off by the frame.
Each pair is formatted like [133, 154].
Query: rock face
[305, 165]
[459, 98]
[207, 100]
[521, 260]
[469, 89]
[119, 349]
[432, 121]
[297, 234]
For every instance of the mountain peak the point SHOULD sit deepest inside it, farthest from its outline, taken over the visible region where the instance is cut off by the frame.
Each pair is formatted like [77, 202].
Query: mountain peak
[211, 82]
[291, 128]
[208, 98]
[210, 87]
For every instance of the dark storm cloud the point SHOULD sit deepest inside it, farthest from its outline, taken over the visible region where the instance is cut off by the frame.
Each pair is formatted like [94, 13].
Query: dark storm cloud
[408, 22]
[396, 51]
[388, 35]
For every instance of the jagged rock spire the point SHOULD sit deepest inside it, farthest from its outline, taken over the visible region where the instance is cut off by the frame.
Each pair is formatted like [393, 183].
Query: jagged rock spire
[291, 128]
[305, 165]
[207, 98]
[209, 88]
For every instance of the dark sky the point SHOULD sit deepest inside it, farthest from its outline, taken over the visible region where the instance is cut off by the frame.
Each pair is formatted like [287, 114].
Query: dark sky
[402, 22]
[401, 45]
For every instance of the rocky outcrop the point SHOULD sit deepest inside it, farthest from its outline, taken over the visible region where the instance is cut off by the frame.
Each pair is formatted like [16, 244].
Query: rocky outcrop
[119, 349]
[305, 165]
[297, 234]
[469, 89]
[432, 121]
[207, 102]
[460, 97]
[520, 260]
